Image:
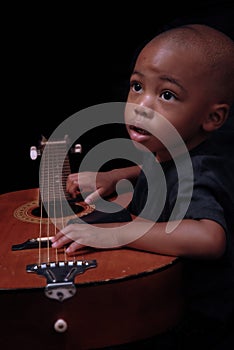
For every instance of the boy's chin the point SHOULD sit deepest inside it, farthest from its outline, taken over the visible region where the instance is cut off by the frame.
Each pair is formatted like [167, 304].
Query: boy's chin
[142, 147]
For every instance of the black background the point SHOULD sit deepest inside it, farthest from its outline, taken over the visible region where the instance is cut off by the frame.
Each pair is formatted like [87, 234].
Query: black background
[57, 60]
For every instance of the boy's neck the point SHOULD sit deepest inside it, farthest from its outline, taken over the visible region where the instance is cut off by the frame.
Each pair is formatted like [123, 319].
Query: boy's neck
[179, 149]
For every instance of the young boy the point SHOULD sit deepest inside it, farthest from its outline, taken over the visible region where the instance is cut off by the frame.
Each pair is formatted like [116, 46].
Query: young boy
[185, 75]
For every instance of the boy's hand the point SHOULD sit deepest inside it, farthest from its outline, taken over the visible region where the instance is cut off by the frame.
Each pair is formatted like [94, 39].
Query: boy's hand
[94, 184]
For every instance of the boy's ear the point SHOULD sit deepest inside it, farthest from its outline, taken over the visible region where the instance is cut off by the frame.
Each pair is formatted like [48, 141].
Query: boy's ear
[216, 117]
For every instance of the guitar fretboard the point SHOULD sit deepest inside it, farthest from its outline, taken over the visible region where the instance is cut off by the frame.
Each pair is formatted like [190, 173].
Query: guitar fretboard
[54, 169]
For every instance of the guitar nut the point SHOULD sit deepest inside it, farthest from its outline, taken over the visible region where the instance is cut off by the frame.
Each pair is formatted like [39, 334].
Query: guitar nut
[60, 325]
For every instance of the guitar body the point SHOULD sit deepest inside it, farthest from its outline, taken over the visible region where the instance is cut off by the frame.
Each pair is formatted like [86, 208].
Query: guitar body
[130, 295]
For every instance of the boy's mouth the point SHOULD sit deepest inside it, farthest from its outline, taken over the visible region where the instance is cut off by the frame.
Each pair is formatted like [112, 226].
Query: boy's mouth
[139, 130]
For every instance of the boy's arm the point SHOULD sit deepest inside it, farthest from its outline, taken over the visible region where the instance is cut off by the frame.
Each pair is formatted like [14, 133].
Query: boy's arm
[203, 239]
[100, 184]
[191, 238]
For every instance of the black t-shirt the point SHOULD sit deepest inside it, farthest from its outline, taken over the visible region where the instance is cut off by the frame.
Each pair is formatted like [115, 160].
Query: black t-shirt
[208, 194]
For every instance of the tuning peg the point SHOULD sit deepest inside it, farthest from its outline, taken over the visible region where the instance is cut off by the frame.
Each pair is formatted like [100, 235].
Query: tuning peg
[77, 148]
[34, 153]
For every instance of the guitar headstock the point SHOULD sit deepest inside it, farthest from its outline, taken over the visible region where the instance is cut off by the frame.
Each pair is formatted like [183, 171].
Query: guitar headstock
[35, 151]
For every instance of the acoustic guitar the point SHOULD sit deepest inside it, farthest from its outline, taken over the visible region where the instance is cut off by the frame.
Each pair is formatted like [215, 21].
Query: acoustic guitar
[95, 299]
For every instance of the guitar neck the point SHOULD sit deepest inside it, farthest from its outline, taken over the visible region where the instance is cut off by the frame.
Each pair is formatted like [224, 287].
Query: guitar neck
[54, 170]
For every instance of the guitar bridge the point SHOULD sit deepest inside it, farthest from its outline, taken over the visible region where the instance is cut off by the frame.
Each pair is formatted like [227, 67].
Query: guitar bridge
[60, 276]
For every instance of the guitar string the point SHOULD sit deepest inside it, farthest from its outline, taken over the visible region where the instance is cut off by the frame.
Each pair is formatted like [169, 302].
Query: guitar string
[52, 183]
[48, 205]
[44, 201]
[60, 157]
[54, 164]
[66, 170]
[40, 223]
[57, 157]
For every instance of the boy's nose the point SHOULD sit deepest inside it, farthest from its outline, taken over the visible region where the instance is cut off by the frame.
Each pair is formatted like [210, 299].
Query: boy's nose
[146, 104]
[143, 111]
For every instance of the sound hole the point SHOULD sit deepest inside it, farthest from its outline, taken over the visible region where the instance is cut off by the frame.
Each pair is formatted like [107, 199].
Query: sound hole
[57, 209]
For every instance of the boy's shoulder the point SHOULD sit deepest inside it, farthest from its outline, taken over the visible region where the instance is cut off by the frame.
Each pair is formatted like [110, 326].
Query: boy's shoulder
[214, 159]
[220, 146]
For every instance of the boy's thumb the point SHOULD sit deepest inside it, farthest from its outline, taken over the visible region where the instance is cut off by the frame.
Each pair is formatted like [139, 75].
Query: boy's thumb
[93, 197]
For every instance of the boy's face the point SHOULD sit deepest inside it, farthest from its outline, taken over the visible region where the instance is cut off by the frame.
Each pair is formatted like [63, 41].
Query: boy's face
[167, 79]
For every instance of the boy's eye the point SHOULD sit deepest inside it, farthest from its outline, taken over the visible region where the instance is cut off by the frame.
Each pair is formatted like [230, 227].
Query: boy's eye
[136, 86]
[167, 95]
